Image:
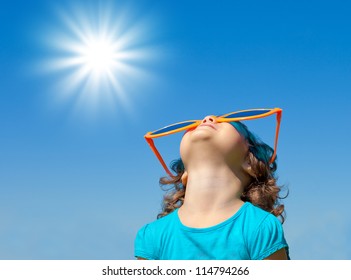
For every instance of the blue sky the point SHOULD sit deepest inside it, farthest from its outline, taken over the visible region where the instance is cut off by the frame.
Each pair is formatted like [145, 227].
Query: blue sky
[77, 179]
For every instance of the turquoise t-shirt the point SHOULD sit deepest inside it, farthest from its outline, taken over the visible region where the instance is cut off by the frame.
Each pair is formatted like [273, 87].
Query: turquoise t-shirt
[251, 233]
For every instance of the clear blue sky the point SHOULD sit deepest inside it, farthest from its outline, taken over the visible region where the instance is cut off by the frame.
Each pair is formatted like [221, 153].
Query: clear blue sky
[77, 179]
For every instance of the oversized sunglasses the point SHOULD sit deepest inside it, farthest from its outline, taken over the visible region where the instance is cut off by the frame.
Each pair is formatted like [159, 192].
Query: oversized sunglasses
[242, 115]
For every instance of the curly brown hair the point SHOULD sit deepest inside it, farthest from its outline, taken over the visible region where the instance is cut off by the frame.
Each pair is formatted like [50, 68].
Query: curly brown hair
[262, 190]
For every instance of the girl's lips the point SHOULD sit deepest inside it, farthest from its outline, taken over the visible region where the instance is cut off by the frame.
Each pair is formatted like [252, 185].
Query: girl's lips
[208, 124]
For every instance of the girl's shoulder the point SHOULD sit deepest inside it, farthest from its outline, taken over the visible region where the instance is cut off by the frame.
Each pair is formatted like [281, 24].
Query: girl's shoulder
[264, 233]
[160, 224]
[256, 211]
[149, 238]
[255, 218]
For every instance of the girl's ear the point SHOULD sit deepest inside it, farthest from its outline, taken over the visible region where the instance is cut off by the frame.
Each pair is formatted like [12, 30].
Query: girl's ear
[247, 167]
[184, 178]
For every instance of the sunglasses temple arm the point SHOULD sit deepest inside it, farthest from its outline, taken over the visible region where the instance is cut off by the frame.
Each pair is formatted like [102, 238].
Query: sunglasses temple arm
[158, 155]
[279, 116]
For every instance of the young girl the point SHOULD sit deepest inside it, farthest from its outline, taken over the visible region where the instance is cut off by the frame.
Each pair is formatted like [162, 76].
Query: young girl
[225, 200]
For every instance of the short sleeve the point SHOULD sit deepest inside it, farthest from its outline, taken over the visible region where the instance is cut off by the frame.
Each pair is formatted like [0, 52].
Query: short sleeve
[267, 239]
[144, 245]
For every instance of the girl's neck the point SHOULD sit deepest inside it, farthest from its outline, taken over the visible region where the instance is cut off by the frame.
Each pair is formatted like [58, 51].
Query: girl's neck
[211, 190]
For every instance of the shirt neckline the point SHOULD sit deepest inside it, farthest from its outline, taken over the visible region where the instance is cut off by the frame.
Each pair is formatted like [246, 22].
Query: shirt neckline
[214, 227]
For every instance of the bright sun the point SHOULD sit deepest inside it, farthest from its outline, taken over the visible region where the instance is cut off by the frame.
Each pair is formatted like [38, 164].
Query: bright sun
[98, 55]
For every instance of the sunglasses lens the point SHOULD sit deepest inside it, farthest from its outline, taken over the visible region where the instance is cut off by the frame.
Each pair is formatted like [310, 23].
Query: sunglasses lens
[249, 113]
[172, 127]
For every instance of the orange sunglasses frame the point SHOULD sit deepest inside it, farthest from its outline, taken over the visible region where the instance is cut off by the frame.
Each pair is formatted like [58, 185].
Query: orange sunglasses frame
[149, 136]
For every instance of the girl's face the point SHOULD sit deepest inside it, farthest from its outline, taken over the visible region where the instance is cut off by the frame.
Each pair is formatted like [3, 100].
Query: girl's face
[214, 139]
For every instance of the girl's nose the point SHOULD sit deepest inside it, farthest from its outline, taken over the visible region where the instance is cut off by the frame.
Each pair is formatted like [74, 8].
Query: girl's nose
[209, 119]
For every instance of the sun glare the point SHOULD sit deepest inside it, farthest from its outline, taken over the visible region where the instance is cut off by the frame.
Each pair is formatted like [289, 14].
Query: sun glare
[98, 55]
